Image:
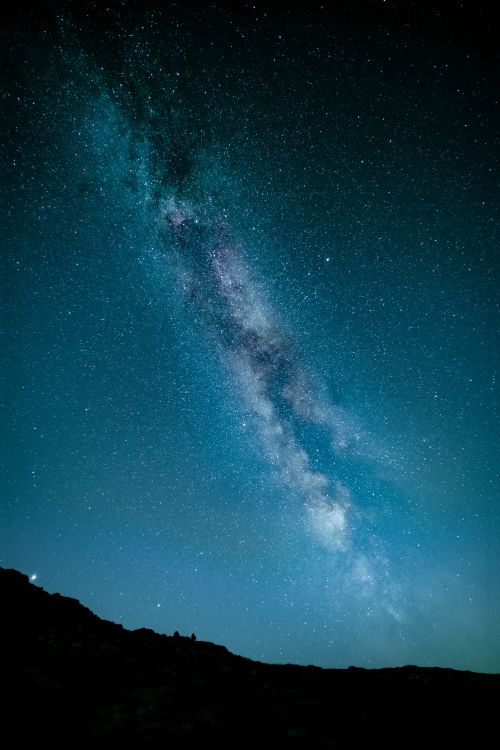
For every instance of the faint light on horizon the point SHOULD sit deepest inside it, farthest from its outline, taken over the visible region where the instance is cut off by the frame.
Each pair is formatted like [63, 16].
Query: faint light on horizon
[33, 577]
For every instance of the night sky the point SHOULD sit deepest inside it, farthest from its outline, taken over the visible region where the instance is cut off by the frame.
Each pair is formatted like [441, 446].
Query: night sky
[248, 324]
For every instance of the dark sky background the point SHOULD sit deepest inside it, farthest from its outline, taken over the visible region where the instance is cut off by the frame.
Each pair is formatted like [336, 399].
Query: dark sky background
[249, 338]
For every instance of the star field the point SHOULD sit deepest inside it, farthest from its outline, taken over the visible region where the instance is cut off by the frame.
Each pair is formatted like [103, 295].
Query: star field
[249, 346]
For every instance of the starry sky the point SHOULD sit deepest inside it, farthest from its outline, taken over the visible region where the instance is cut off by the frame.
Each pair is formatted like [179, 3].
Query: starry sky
[249, 339]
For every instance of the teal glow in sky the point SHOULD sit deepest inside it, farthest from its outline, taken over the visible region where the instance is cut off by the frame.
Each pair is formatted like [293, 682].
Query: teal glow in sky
[249, 348]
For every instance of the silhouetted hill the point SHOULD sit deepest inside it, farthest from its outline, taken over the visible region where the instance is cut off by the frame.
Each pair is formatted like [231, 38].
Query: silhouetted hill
[68, 676]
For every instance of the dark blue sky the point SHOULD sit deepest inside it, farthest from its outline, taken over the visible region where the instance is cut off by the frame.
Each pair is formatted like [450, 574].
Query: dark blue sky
[249, 345]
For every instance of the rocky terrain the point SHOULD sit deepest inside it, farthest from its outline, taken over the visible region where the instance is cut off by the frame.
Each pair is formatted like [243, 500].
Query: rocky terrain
[68, 676]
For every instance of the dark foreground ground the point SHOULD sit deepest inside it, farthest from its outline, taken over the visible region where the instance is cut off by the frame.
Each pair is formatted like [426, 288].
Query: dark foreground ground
[69, 677]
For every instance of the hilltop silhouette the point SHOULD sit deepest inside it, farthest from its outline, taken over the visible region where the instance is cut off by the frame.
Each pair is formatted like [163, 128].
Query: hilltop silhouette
[69, 676]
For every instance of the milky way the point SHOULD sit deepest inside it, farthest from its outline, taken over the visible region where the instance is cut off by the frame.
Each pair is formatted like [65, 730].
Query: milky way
[280, 393]
[200, 248]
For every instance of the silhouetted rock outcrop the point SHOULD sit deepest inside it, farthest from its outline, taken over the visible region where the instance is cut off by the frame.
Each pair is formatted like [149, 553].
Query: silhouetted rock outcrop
[68, 676]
